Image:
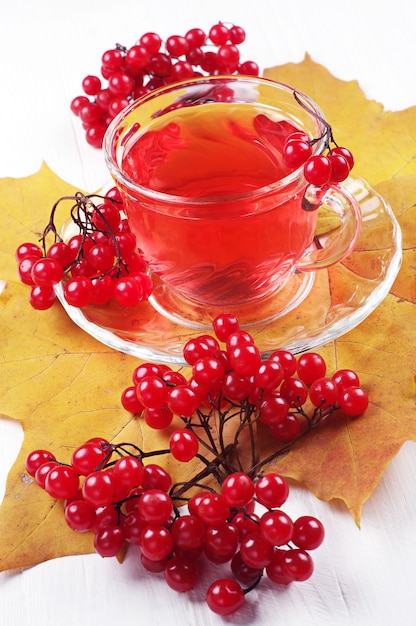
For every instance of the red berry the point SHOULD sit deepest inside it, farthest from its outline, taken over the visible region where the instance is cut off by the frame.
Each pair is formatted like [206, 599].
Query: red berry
[269, 375]
[42, 298]
[155, 477]
[353, 401]
[61, 482]
[117, 104]
[130, 401]
[219, 34]
[294, 391]
[136, 58]
[237, 489]
[78, 291]
[36, 458]
[286, 359]
[158, 418]
[183, 445]
[109, 540]
[345, 153]
[77, 103]
[98, 488]
[156, 542]
[297, 564]
[212, 509]
[237, 34]
[249, 68]
[120, 84]
[151, 41]
[308, 533]
[256, 551]
[296, 152]
[276, 527]
[225, 596]
[61, 252]
[177, 45]
[274, 409]
[245, 359]
[91, 85]
[340, 168]
[43, 470]
[87, 457]
[80, 515]
[228, 56]
[127, 291]
[152, 392]
[346, 378]
[323, 392]
[112, 59]
[287, 429]
[317, 170]
[28, 250]
[195, 37]
[188, 532]
[182, 400]
[225, 324]
[91, 114]
[272, 490]
[276, 571]
[47, 272]
[155, 506]
[310, 367]
[102, 289]
[181, 574]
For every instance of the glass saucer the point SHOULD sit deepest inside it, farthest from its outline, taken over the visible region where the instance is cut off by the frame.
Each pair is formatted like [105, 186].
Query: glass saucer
[318, 307]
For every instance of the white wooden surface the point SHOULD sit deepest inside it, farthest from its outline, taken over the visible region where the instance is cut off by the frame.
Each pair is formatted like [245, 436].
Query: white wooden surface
[363, 577]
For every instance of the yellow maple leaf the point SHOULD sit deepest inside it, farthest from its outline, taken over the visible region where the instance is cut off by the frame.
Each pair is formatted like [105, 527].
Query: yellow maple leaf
[65, 387]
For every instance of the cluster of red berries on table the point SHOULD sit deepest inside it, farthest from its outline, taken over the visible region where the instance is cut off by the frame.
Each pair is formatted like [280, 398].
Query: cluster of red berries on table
[333, 165]
[98, 262]
[129, 73]
[228, 513]
[228, 377]
[108, 489]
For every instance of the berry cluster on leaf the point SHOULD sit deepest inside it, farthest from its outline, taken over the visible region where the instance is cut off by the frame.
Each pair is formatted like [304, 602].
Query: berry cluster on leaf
[230, 388]
[111, 491]
[99, 262]
[228, 513]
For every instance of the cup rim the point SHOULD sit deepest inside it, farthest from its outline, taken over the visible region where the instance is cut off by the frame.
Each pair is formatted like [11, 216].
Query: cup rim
[172, 199]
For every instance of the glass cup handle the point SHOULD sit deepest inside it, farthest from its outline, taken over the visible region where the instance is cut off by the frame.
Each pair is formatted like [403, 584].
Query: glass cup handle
[339, 232]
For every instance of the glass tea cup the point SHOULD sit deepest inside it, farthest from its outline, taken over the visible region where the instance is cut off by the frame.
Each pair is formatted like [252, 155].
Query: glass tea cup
[220, 218]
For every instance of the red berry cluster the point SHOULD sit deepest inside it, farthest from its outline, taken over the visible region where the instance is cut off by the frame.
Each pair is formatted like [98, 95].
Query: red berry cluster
[100, 262]
[320, 169]
[108, 490]
[115, 491]
[233, 380]
[151, 63]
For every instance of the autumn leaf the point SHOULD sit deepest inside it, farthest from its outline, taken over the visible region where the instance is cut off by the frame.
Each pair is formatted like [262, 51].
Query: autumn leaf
[65, 387]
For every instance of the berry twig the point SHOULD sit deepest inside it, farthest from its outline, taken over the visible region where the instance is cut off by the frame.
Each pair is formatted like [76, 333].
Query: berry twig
[233, 511]
[97, 262]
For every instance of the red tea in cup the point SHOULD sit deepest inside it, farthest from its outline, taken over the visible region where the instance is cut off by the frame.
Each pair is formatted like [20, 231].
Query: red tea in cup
[219, 216]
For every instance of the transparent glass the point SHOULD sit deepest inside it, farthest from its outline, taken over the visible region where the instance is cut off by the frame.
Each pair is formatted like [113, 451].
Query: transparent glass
[337, 299]
[221, 220]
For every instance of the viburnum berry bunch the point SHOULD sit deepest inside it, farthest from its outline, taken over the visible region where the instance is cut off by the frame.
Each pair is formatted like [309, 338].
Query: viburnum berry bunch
[228, 514]
[109, 490]
[333, 165]
[129, 73]
[229, 380]
[98, 263]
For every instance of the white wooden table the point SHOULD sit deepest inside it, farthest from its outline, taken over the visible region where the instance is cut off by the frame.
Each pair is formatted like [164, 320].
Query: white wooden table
[363, 577]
